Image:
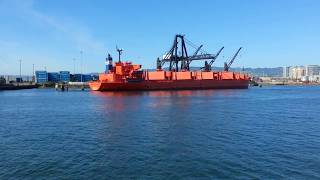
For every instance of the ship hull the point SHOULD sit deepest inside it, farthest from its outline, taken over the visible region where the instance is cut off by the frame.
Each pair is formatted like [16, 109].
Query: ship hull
[169, 85]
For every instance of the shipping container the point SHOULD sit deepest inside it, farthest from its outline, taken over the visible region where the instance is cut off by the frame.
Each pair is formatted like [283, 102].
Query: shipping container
[19, 80]
[82, 77]
[53, 77]
[77, 77]
[64, 76]
[87, 77]
[41, 77]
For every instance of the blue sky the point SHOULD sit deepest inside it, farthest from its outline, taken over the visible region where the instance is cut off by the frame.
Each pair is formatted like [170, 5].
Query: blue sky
[52, 33]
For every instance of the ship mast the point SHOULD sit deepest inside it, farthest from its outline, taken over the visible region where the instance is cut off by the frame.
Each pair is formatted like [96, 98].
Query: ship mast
[119, 53]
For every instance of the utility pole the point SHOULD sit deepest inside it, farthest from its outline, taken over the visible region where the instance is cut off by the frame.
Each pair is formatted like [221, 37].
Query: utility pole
[20, 68]
[20, 61]
[33, 78]
[81, 52]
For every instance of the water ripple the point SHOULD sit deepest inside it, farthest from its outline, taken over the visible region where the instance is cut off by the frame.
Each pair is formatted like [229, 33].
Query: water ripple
[259, 133]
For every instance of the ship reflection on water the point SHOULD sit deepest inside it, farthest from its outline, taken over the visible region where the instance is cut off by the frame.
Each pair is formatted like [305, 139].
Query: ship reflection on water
[134, 100]
[179, 93]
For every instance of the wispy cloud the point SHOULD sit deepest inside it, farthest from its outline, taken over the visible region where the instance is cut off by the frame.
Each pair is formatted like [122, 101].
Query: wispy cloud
[73, 34]
[78, 33]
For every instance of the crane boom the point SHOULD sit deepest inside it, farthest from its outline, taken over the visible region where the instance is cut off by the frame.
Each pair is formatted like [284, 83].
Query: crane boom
[207, 66]
[199, 48]
[227, 66]
[192, 58]
[216, 56]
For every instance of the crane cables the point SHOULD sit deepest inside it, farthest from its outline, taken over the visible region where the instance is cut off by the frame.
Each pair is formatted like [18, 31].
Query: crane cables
[195, 46]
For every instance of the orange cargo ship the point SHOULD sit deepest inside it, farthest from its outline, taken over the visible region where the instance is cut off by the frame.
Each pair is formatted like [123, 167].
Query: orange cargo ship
[125, 76]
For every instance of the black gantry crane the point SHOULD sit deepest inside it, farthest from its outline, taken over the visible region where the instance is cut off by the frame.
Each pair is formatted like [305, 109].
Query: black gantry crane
[178, 54]
[172, 55]
[227, 65]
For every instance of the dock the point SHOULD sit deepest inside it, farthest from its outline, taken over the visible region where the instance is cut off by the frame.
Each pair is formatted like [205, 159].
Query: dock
[17, 86]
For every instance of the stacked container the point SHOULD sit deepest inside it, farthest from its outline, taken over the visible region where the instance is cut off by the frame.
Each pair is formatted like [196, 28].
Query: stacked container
[41, 77]
[64, 76]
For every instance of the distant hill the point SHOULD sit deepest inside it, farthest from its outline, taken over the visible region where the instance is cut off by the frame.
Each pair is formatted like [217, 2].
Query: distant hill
[270, 72]
[258, 72]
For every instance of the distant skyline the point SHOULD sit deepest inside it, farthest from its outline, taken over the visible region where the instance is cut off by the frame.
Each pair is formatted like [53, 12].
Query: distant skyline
[52, 33]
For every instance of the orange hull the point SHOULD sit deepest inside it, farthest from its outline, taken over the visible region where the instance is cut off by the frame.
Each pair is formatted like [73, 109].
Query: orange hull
[169, 85]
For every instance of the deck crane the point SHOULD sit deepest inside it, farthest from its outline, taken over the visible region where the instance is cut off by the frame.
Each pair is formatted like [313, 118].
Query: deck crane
[207, 66]
[199, 48]
[173, 57]
[227, 65]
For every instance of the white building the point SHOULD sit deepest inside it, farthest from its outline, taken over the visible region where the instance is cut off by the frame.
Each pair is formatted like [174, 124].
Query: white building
[285, 71]
[312, 70]
[314, 78]
[308, 73]
[297, 72]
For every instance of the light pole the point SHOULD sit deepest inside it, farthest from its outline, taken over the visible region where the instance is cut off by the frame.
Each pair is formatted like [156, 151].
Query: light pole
[74, 65]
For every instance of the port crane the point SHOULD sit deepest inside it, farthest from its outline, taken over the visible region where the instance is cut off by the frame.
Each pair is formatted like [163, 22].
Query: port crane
[178, 54]
[227, 65]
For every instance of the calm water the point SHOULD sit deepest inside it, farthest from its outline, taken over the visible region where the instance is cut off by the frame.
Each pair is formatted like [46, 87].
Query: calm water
[269, 133]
